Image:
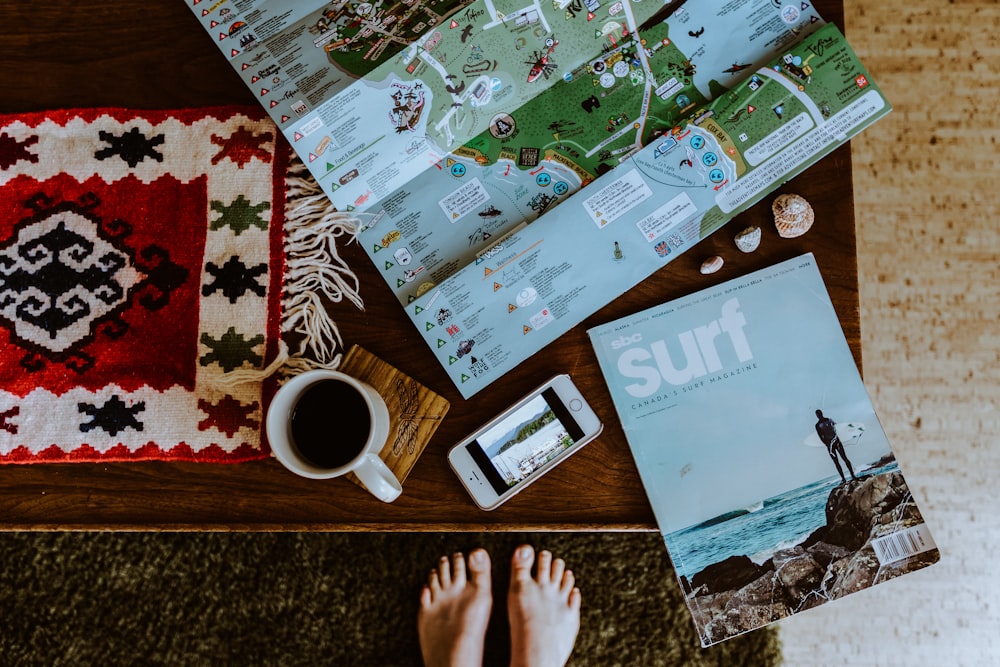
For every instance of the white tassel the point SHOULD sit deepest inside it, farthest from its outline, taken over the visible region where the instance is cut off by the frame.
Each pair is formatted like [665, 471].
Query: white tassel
[314, 272]
[229, 381]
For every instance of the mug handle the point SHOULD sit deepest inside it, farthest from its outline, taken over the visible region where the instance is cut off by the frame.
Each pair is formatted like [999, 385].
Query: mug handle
[377, 478]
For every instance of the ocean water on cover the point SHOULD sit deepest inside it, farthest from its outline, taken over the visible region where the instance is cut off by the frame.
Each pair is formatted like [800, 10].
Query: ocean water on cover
[779, 523]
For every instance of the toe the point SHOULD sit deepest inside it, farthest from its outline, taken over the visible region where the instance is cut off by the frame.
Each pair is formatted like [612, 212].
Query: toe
[434, 583]
[558, 568]
[524, 557]
[479, 569]
[568, 581]
[544, 566]
[444, 571]
[575, 599]
[425, 597]
[458, 569]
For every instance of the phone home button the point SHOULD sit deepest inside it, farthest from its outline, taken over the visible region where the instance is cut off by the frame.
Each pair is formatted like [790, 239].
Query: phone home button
[575, 404]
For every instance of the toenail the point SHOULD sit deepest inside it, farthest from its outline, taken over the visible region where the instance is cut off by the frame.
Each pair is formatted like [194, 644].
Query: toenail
[477, 558]
[524, 552]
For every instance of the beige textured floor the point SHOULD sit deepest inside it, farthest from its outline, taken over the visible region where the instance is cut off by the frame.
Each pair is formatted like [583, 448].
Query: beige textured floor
[926, 191]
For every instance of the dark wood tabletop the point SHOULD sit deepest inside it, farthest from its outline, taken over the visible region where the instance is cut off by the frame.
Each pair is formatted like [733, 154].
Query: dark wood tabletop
[63, 54]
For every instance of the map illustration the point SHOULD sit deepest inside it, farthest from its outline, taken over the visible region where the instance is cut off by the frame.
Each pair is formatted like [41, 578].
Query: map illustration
[645, 79]
[516, 164]
[482, 315]
[582, 85]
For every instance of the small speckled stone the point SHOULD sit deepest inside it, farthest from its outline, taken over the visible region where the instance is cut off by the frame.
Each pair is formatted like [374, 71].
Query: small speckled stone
[749, 239]
[711, 265]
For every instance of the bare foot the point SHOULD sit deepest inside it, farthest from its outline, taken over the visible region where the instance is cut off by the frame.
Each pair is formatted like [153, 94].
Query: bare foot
[454, 611]
[544, 610]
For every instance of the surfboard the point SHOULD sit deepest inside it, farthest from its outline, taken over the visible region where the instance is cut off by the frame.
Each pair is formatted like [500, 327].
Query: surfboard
[850, 434]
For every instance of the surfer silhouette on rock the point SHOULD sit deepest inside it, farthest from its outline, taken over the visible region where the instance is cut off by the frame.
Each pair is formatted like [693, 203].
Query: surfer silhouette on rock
[826, 429]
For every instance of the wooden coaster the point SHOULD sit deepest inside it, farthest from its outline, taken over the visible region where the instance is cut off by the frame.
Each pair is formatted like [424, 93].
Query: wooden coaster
[414, 410]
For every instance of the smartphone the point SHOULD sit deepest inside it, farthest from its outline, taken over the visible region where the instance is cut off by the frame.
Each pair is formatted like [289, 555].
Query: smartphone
[524, 442]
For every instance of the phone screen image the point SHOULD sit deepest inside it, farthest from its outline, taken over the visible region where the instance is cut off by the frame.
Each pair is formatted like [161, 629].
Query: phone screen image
[524, 441]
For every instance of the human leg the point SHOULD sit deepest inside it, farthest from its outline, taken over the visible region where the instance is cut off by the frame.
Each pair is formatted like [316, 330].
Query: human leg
[839, 449]
[833, 455]
[544, 610]
[454, 611]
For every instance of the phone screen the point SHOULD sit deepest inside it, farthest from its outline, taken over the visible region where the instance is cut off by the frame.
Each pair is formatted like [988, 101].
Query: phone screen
[525, 440]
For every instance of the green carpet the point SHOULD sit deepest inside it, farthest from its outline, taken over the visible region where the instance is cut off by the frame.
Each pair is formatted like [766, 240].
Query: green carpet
[319, 599]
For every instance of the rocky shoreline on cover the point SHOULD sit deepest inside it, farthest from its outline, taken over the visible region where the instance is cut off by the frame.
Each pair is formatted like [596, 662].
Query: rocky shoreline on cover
[738, 595]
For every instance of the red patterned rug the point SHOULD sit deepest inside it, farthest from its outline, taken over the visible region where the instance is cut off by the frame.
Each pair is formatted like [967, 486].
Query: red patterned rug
[143, 266]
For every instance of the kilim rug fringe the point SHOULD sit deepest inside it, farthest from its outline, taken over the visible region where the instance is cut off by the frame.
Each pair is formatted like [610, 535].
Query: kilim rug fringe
[314, 275]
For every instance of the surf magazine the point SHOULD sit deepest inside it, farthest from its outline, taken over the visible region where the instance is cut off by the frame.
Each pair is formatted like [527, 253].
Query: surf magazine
[772, 481]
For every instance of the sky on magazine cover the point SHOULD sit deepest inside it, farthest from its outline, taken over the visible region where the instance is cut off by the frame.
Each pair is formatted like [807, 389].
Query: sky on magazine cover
[743, 439]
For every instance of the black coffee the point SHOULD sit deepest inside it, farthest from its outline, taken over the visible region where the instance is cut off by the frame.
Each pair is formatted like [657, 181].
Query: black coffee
[330, 424]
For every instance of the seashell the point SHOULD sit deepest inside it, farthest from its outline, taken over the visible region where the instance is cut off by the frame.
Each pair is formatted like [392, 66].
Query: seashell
[793, 216]
[711, 265]
[749, 239]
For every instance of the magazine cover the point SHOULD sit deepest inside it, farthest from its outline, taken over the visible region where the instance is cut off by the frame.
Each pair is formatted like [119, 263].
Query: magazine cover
[771, 480]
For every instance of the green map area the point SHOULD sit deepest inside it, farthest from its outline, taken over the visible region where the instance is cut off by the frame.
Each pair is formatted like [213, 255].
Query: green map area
[358, 36]
[601, 112]
[575, 87]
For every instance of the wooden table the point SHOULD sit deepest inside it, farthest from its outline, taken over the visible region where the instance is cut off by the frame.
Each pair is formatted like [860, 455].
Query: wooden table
[64, 54]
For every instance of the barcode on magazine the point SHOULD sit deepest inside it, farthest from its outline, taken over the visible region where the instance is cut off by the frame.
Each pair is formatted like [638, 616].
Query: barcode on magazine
[897, 546]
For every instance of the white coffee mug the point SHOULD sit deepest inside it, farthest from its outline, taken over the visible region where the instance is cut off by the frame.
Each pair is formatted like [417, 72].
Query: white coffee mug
[365, 463]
